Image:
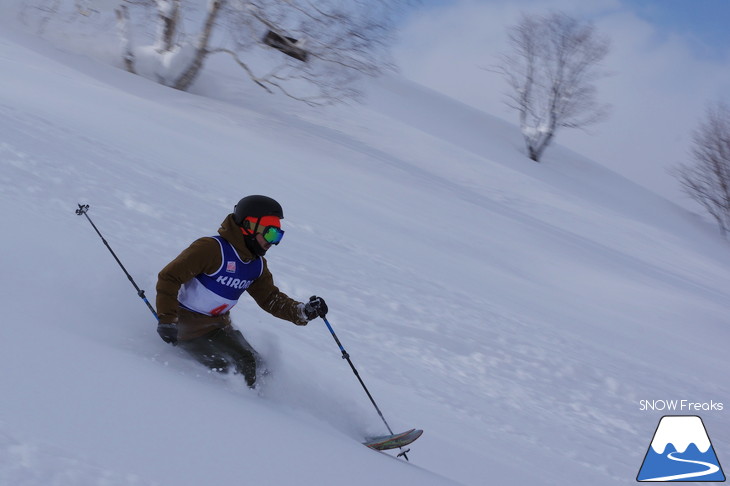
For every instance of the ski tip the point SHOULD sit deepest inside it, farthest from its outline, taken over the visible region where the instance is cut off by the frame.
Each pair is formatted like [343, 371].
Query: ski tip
[393, 441]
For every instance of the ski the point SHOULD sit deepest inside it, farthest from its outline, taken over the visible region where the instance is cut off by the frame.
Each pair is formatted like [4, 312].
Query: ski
[394, 441]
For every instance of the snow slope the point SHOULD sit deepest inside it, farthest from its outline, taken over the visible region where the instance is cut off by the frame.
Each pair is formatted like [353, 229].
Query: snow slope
[518, 312]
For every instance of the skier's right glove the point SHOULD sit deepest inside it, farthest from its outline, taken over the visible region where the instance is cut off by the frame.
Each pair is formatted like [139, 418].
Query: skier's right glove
[315, 307]
[168, 332]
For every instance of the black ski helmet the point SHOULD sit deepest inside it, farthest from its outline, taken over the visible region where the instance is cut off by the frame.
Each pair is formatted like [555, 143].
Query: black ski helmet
[256, 207]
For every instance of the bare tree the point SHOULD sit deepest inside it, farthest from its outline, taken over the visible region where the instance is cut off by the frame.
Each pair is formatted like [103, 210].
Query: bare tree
[123, 25]
[311, 50]
[707, 180]
[551, 69]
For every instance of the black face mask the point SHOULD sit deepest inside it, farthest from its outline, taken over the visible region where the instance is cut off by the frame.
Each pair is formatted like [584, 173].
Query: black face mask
[253, 245]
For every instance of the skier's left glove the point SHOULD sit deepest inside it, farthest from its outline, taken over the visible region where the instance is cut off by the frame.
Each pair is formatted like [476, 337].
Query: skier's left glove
[316, 307]
[168, 332]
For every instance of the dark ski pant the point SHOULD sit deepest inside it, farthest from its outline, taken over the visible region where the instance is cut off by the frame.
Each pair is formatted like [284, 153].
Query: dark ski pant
[224, 350]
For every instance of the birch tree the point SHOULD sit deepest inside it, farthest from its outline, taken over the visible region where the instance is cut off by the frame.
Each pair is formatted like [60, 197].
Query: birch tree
[707, 178]
[320, 48]
[551, 68]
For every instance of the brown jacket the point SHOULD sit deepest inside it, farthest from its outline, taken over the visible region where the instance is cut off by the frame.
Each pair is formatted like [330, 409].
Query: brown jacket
[204, 256]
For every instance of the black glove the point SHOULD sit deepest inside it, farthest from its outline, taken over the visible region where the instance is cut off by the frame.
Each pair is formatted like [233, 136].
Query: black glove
[168, 332]
[316, 307]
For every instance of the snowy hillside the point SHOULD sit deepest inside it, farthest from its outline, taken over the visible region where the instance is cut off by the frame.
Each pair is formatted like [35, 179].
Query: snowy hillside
[517, 312]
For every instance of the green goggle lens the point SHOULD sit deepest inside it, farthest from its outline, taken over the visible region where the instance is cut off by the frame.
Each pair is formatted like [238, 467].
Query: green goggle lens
[273, 235]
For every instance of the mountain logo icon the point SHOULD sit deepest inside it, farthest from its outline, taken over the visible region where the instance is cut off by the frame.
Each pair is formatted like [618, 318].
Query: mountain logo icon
[681, 451]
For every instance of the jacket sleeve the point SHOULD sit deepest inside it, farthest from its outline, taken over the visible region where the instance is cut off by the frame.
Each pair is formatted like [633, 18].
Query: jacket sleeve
[274, 301]
[203, 256]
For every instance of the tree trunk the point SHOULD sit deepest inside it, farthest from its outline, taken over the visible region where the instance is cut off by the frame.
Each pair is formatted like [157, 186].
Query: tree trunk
[169, 12]
[125, 34]
[201, 52]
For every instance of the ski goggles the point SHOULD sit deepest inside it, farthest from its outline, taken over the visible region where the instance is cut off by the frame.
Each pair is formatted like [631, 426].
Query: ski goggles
[268, 226]
[272, 234]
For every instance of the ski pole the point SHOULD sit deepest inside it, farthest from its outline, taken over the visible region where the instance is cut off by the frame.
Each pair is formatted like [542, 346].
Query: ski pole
[346, 356]
[84, 209]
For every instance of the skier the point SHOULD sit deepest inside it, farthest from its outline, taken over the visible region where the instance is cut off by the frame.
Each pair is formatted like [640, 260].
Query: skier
[196, 291]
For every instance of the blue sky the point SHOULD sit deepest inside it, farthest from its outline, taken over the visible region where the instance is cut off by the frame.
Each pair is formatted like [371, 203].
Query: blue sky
[669, 60]
[704, 23]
